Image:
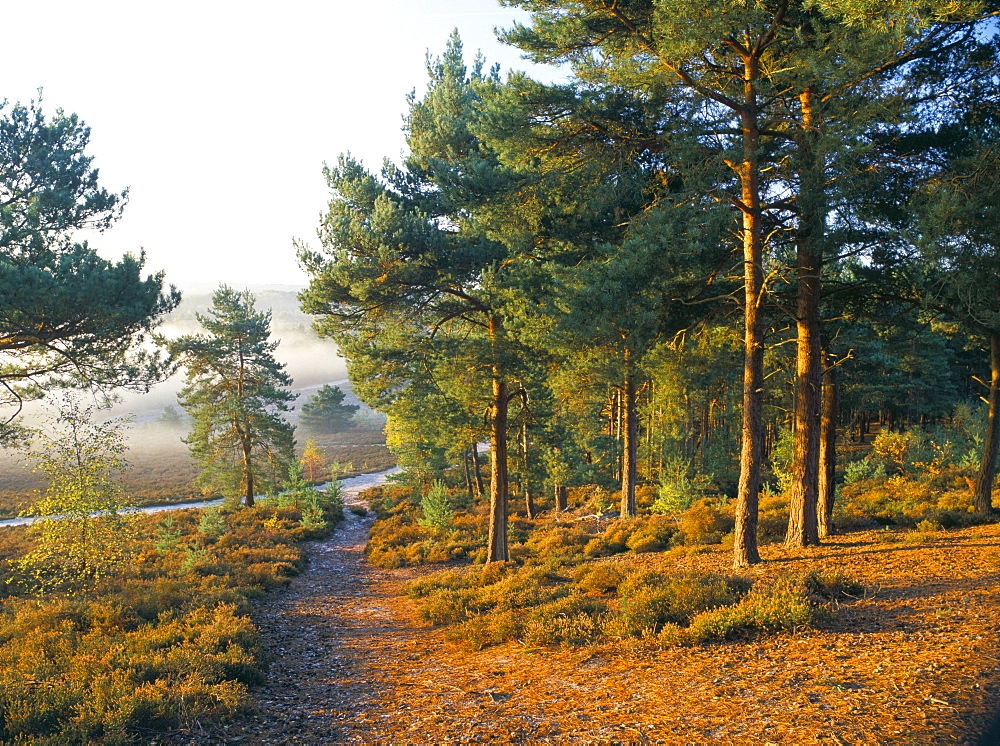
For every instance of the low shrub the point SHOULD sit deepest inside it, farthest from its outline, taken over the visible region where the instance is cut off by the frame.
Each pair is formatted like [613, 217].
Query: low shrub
[568, 621]
[563, 541]
[778, 607]
[704, 523]
[649, 599]
[598, 578]
[166, 641]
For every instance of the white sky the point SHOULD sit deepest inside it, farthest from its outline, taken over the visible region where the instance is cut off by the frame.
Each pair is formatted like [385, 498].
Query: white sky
[218, 115]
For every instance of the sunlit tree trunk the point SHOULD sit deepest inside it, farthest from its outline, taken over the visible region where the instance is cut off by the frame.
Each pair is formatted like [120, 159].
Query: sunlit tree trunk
[745, 550]
[827, 452]
[630, 442]
[247, 469]
[982, 494]
[497, 543]
[802, 519]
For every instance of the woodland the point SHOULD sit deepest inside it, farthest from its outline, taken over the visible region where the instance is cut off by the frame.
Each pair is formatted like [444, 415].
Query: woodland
[690, 364]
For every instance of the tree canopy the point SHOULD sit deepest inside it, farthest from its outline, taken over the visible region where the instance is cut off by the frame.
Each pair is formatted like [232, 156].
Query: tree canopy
[68, 317]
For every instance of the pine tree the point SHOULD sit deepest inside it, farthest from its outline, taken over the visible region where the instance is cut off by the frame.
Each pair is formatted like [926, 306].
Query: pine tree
[236, 392]
[326, 412]
[750, 64]
[67, 316]
[413, 273]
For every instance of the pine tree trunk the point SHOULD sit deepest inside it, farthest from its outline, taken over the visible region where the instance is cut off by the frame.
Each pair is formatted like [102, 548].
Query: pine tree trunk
[497, 547]
[468, 475]
[745, 552]
[477, 472]
[827, 452]
[561, 498]
[246, 447]
[982, 494]
[630, 432]
[529, 501]
[802, 519]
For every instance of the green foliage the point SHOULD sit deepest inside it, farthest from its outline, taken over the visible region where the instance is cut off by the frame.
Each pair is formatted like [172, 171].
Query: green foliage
[397, 538]
[866, 468]
[679, 489]
[320, 509]
[235, 392]
[168, 535]
[783, 605]
[326, 411]
[87, 529]
[69, 317]
[212, 524]
[436, 508]
[598, 602]
[647, 600]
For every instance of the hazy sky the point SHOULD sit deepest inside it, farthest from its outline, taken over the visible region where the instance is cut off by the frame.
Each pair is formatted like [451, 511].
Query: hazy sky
[218, 115]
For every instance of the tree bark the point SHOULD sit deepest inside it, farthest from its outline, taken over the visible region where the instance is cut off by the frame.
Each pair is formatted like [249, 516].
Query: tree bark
[561, 498]
[745, 552]
[827, 452]
[480, 489]
[248, 475]
[630, 432]
[497, 542]
[468, 475]
[982, 493]
[529, 501]
[802, 520]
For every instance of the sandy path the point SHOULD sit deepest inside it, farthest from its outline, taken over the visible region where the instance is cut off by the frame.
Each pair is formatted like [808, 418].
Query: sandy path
[315, 634]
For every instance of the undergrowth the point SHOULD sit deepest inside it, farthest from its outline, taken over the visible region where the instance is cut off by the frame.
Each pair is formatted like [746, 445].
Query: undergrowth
[164, 643]
[600, 602]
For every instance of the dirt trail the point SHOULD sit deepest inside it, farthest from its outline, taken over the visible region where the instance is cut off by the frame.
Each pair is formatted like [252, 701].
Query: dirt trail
[916, 662]
[316, 634]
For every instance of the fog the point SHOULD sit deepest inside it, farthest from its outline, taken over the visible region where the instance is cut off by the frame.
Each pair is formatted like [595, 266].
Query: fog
[309, 360]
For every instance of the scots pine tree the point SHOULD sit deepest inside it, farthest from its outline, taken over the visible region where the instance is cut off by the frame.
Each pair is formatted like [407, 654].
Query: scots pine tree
[68, 317]
[326, 412]
[411, 275]
[236, 393]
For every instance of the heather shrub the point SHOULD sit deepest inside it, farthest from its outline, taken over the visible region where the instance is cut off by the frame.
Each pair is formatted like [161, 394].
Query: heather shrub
[492, 629]
[777, 607]
[704, 523]
[570, 620]
[598, 577]
[558, 541]
[942, 497]
[164, 642]
[648, 599]
[612, 541]
[650, 533]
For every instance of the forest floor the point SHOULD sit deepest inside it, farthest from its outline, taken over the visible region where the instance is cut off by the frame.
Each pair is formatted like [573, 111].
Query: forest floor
[916, 660]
